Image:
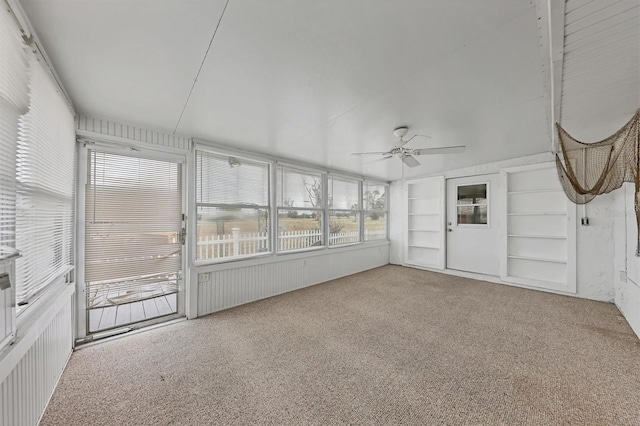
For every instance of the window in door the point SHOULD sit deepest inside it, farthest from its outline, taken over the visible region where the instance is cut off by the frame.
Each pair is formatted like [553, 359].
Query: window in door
[472, 204]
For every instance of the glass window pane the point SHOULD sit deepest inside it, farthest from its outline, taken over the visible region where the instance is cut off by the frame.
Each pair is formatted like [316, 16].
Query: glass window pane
[298, 229]
[225, 232]
[223, 179]
[375, 226]
[472, 215]
[344, 228]
[298, 189]
[343, 194]
[374, 196]
[472, 194]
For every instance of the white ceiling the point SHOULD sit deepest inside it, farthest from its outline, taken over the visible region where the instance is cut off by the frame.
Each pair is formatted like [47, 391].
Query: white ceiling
[601, 72]
[310, 80]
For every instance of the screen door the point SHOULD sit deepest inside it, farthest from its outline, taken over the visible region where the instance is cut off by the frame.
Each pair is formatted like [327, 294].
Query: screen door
[133, 247]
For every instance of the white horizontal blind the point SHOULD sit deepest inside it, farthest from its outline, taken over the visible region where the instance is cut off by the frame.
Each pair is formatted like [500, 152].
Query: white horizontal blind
[13, 102]
[133, 221]
[374, 204]
[345, 211]
[300, 209]
[45, 175]
[228, 180]
[232, 199]
[297, 189]
[13, 62]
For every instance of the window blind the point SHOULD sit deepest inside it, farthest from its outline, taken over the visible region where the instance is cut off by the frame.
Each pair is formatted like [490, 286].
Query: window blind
[345, 211]
[232, 200]
[343, 194]
[223, 179]
[45, 183]
[300, 198]
[13, 102]
[374, 204]
[299, 189]
[133, 221]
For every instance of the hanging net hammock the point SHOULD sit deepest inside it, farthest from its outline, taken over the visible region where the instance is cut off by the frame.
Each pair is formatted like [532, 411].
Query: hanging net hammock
[590, 169]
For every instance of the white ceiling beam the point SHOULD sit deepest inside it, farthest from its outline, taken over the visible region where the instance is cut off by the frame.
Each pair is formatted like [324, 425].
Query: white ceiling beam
[551, 31]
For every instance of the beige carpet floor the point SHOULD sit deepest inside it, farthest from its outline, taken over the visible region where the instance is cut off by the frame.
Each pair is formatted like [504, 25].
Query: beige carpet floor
[388, 346]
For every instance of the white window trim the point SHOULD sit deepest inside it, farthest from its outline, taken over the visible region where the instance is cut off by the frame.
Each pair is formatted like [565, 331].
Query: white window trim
[475, 225]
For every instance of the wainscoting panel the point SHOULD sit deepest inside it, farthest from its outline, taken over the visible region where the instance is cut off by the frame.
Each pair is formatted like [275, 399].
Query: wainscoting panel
[237, 285]
[25, 391]
[128, 131]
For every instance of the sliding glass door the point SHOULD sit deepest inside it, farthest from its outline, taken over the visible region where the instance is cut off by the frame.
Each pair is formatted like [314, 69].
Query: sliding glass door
[133, 240]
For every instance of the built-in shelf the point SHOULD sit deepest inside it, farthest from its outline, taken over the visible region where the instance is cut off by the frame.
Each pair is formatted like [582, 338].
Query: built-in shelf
[546, 237]
[537, 259]
[535, 191]
[537, 214]
[424, 246]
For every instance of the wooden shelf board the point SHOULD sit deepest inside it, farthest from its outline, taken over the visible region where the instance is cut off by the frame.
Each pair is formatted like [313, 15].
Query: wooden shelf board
[537, 259]
[546, 237]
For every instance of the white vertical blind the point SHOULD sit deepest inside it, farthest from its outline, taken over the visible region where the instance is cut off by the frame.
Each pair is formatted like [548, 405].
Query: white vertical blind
[45, 176]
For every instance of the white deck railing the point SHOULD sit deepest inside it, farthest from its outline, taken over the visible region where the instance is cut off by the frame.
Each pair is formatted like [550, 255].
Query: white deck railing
[238, 244]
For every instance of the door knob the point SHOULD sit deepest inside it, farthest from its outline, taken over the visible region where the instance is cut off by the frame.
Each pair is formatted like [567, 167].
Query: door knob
[449, 223]
[449, 229]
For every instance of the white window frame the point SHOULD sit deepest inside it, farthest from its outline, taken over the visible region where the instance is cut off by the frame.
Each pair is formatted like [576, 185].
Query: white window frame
[358, 212]
[385, 211]
[475, 225]
[269, 207]
[322, 209]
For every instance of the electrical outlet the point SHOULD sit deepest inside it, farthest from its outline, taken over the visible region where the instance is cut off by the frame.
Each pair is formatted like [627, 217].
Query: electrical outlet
[203, 277]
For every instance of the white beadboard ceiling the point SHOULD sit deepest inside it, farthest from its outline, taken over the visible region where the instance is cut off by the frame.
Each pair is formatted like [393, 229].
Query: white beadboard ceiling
[311, 80]
[601, 72]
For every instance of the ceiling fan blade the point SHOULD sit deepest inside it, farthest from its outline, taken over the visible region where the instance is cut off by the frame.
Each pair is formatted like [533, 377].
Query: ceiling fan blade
[441, 150]
[379, 159]
[417, 136]
[370, 153]
[410, 161]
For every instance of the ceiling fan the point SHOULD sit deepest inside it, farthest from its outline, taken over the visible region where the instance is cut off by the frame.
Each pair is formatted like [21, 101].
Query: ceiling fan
[406, 154]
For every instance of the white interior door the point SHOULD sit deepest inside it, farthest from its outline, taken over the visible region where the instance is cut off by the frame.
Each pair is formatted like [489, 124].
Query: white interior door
[472, 231]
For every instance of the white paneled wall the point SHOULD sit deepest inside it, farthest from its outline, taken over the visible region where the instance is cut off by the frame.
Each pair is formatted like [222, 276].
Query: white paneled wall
[26, 388]
[237, 284]
[135, 133]
[6, 307]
